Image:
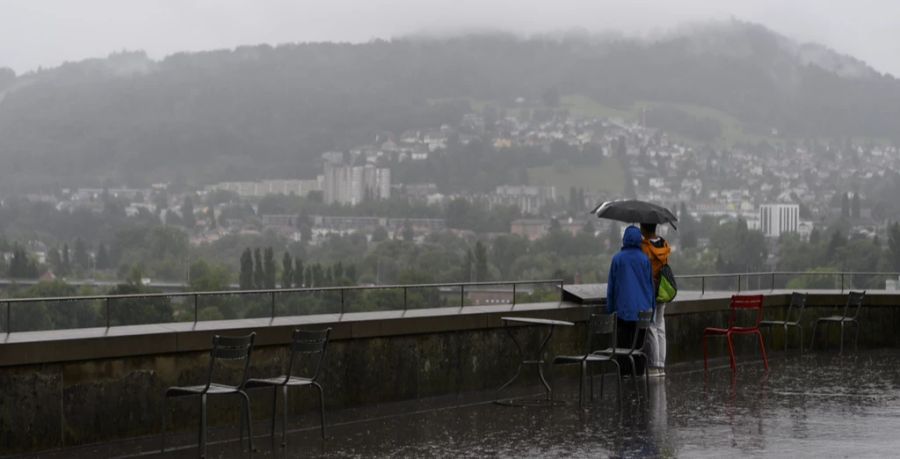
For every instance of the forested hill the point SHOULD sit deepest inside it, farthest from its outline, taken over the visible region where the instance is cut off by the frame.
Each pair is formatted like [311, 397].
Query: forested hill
[270, 111]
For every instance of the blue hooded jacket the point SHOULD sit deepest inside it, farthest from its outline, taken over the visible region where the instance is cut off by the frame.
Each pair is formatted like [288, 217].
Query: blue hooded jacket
[630, 285]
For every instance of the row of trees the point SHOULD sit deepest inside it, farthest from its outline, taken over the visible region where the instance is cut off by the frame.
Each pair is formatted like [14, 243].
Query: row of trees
[258, 271]
[64, 261]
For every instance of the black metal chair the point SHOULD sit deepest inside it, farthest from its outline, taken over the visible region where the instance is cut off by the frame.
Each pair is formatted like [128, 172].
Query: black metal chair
[854, 302]
[224, 348]
[306, 343]
[645, 318]
[600, 325]
[791, 319]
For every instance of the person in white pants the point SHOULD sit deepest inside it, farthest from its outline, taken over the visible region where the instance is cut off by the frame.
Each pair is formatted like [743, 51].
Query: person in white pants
[657, 250]
[656, 339]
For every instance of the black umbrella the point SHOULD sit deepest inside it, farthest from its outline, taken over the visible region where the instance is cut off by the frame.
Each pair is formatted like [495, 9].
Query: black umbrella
[634, 211]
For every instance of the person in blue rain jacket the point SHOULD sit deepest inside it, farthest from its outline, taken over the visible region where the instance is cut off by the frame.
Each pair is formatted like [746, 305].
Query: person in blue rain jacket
[629, 287]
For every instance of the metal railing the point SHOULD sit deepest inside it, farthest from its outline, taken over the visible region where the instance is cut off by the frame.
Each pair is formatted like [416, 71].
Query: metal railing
[186, 306]
[836, 280]
[106, 311]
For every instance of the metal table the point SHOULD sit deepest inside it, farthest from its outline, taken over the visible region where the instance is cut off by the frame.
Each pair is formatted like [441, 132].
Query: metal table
[535, 358]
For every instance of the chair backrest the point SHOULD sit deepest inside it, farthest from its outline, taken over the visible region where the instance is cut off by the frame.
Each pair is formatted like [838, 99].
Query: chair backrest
[645, 318]
[309, 343]
[602, 326]
[231, 348]
[746, 302]
[854, 302]
[795, 309]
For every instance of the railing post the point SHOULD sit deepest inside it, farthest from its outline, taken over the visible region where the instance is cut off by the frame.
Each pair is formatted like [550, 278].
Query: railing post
[739, 283]
[702, 285]
[196, 315]
[462, 296]
[842, 282]
[107, 314]
[8, 319]
[562, 284]
[773, 281]
[514, 294]
[342, 301]
[272, 318]
[405, 306]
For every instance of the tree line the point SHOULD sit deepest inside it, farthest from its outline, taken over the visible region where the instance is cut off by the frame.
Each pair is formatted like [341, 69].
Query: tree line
[259, 271]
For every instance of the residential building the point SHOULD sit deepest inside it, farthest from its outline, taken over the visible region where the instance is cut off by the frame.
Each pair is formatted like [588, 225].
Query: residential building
[281, 220]
[351, 185]
[265, 187]
[775, 219]
[529, 199]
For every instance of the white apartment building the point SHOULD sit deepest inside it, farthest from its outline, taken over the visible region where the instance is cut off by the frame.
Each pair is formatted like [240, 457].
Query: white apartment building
[351, 185]
[775, 219]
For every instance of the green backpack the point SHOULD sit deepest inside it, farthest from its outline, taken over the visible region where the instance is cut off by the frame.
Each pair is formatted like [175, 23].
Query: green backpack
[667, 288]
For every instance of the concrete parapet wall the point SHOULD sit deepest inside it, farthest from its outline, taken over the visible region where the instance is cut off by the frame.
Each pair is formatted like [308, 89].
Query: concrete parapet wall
[69, 388]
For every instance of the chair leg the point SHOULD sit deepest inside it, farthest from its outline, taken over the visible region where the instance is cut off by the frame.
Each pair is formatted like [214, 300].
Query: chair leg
[705, 355]
[841, 351]
[274, 408]
[785, 337]
[731, 353]
[249, 421]
[590, 375]
[762, 348]
[581, 385]
[242, 421]
[634, 376]
[202, 445]
[618, 380]
[812, 343]
[602, 377]
[165, 412]
[321, 407]
[284, 414]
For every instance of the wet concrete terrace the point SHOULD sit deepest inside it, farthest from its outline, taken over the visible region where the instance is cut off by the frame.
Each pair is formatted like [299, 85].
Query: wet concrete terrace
[819, 404]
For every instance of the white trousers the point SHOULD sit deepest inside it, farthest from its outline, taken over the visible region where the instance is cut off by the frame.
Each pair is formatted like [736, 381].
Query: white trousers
[656, 338]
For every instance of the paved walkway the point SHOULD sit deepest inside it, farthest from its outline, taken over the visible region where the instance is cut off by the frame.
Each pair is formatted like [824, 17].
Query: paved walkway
[816, 405]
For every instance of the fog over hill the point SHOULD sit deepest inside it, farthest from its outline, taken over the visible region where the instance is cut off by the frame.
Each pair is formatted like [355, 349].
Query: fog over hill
[263, 111]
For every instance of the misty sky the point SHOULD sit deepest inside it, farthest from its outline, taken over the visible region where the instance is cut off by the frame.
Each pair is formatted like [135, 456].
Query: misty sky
[46, 33]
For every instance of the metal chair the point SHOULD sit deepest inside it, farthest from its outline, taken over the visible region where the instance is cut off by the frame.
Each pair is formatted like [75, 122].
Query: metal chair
[791, 319]
[645, 318]
[738, 302]
[600, 325]
[306, 343]
[854, 302]
[224, 348]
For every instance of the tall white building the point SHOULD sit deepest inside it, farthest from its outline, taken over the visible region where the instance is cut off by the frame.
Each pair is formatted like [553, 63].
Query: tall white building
[351, 185]
[775, 219]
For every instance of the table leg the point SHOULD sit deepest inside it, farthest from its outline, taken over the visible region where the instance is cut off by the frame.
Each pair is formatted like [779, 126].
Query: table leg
[536, 361]
[540, 363]
[521, 358]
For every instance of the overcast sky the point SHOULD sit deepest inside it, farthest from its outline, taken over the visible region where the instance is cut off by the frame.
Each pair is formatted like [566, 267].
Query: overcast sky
[48, 32]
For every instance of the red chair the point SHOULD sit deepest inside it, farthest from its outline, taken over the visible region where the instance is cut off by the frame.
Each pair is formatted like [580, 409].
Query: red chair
[738, 302]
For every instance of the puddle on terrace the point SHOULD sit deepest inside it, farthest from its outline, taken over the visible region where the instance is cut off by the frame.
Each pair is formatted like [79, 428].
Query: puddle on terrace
[815, 405]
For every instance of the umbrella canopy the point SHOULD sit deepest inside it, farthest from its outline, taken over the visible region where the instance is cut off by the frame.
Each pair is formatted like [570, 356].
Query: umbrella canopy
[634, 211]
